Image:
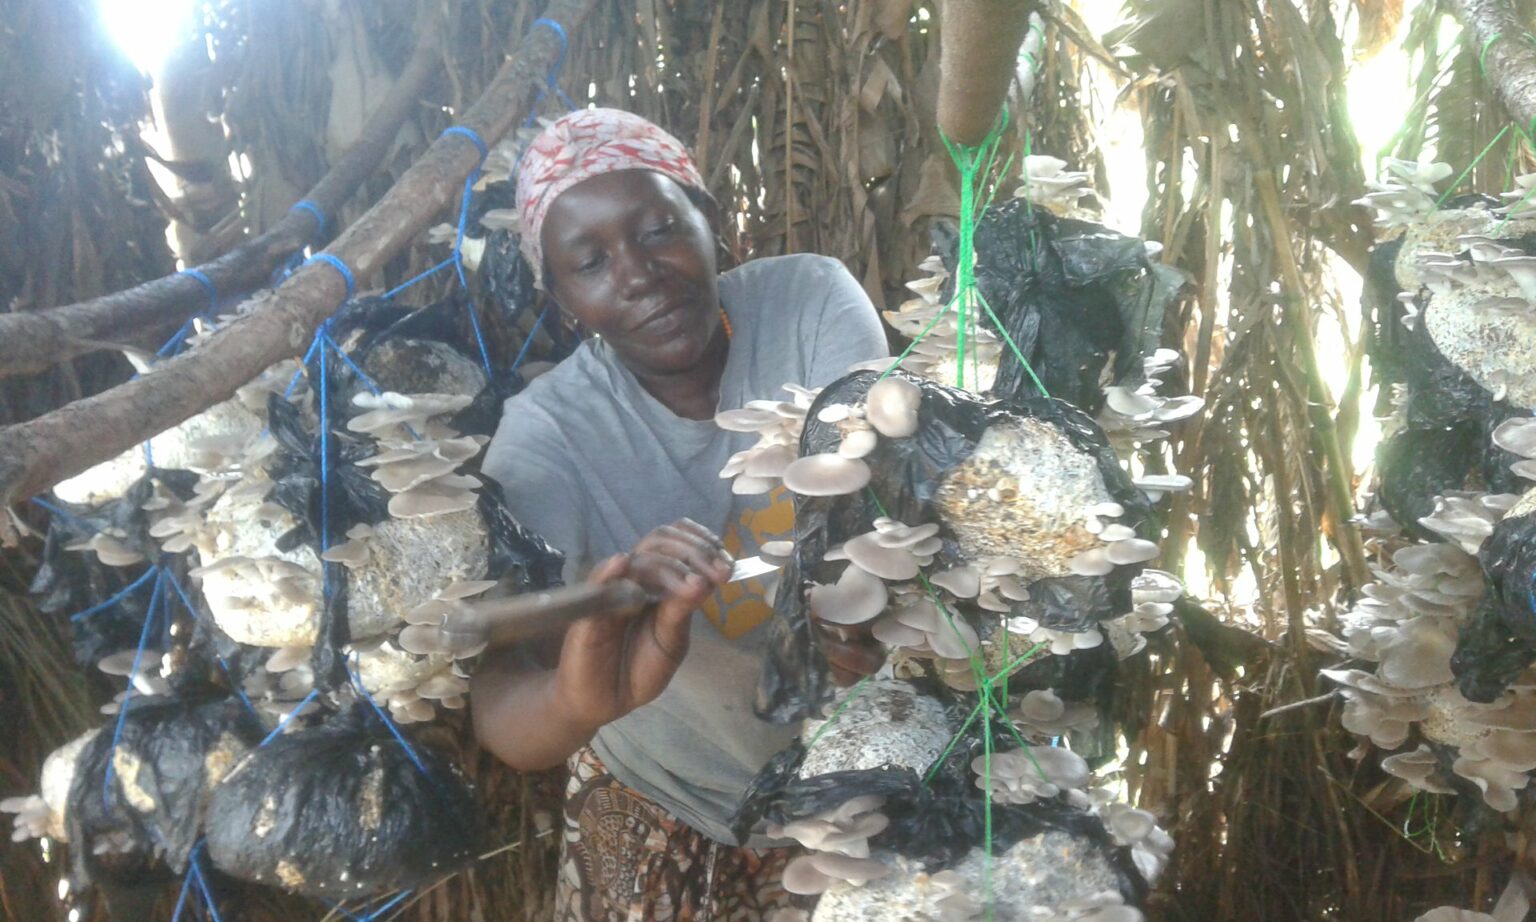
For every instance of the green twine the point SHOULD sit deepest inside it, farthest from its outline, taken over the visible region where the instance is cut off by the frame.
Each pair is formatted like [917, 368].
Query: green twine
[1470, 167]
[1427, 830]
[1482, 58]
[837, 712]
[971, 162]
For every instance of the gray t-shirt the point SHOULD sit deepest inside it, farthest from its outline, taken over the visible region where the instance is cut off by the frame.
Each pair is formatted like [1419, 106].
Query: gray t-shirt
[591, 461]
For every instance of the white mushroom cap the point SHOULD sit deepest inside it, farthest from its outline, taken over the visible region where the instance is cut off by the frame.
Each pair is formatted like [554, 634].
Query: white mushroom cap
[892, 406]
[857, 442]
[1418, 767]
[856, 597]
[893, 563]
[801, 876]
[826, 475]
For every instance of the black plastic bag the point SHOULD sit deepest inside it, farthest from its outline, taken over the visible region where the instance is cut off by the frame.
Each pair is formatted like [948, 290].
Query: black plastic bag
[520, 558]
[1418, 465]
[1500, 641]
[1073, 295]
[341, 810]
[171, 753]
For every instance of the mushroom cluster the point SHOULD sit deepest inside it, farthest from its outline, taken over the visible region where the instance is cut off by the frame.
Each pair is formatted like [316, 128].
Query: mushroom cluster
[1140, 414]
[1469, 288]
[1023, 776]
[1049, 184]
[935, 326]
[1407, 623]
[1405, 193]
[777, 424]
[45, 814]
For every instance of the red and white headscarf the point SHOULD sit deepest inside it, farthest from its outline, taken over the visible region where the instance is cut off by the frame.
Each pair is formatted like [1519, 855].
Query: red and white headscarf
[587, 143]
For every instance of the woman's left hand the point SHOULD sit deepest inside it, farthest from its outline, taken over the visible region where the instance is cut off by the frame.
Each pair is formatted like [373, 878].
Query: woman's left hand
[851, 650]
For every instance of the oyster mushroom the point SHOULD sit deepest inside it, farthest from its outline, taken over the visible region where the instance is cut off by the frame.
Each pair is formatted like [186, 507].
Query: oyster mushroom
[1023, 776]
[856, 597]
[845, 829]
[47, 812]
[809, 875]
[1467, 519]
[1137, 829]
[1420, 768]
[826, 475]
[1051, 876]
[1042, 713]
[892, 406]
[894, 551]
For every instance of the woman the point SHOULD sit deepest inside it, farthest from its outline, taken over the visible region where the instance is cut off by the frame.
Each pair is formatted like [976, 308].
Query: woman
[613, 457]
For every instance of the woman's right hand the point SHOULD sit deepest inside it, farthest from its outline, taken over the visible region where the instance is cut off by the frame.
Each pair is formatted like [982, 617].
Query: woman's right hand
[612, 663]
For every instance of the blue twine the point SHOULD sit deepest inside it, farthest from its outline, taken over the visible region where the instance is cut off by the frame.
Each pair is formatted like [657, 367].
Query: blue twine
[458, 265]
[202, 884]
[118, 597]
[456, 258]
[419, 277]
[207, 283]
[474, 322]
[288, 267]
[370, 915]
[396, 901]
[62, 513]
[472, 135]
[389, 724]
[339, 266]
[290, 716]
[551, 81]
[133, 673]
[362, 376]
[173, 346]
[523, 352]
[181, 901]
[309, 356]
[309, 205]
[552, 78]
[325, 474]
[338, 907]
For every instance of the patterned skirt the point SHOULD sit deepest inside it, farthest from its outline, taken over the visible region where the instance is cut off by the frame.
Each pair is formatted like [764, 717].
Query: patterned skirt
[624, 859]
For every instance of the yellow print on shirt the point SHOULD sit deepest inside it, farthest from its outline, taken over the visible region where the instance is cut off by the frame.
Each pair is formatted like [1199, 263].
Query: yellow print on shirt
[739, 607]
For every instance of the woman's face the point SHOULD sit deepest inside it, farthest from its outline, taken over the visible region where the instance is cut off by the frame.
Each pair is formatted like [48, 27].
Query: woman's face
[630, 256]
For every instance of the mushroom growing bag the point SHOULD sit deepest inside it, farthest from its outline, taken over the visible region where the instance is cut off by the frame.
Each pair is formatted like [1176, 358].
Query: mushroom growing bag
[342, 810]
[1056, 461]
[169, 756]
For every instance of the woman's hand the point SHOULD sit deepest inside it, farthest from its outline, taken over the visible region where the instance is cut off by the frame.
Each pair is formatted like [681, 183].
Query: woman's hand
[611, 664]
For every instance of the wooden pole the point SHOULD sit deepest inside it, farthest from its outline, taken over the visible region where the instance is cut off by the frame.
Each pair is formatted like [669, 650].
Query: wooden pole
[978, 58]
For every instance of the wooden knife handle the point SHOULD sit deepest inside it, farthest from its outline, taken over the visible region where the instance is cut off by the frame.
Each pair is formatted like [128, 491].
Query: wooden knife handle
[499, 622]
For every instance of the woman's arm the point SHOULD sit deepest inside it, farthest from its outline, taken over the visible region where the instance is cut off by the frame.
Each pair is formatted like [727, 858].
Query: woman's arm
[609, 663]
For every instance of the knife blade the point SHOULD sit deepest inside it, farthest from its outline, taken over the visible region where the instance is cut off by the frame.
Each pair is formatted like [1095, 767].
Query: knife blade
[751, 567]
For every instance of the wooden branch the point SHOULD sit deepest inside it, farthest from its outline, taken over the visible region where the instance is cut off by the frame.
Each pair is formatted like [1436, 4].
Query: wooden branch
[39, 453]
[1507, 51]
[980, 43]
[32, 341]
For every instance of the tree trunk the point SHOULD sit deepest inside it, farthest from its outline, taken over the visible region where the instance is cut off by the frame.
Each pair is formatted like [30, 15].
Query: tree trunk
[1507, 51]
